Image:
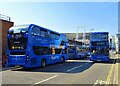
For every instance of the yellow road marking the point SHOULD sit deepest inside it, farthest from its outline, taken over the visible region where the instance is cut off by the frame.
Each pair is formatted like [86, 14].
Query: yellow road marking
[110, 73]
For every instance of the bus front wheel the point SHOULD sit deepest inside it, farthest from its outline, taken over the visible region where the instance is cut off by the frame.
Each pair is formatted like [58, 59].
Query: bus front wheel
[43, 63]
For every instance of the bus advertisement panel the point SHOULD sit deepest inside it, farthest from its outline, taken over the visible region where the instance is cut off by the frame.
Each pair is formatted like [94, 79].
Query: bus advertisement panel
[32, 46]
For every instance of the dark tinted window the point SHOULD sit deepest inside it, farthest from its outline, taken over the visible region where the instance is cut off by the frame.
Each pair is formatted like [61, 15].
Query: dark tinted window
[62, 43]
[64, 51]
[17, 44]
[54, 35]
[44, 33]
[104, 51]
[36, 31]
[17, 53]
[40, 50]
[58, 51]
[64, 38]
[99, 36]
[98, 43]
[71, 49]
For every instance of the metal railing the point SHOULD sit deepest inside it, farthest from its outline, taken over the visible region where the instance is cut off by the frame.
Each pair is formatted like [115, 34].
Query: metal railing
[4, 17]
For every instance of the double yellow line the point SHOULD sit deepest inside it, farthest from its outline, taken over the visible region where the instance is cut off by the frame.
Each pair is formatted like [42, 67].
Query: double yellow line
[110, 73]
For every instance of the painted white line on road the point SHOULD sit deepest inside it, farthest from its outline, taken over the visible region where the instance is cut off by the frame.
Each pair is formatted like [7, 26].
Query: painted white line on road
[99, 82]
[74, 68]
[44, 80]
[96, 82]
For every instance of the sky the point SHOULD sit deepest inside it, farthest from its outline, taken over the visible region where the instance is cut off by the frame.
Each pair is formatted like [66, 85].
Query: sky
[65, 17]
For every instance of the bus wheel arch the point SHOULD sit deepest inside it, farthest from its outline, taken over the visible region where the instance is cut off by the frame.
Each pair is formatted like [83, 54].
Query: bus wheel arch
[43, 62]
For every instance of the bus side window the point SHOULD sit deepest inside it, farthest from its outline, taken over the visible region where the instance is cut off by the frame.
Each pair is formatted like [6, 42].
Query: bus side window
[44, 33]
[62, 43]
[40, 50]
[54, 35]
[35, 31]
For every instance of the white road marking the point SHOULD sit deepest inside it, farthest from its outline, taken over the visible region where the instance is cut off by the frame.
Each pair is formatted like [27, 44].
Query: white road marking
[96, 82]
[44, 80]
[74, 68]
[100, 82]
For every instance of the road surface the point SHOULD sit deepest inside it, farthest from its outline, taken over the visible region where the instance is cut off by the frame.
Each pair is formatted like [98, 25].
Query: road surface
[70, 72]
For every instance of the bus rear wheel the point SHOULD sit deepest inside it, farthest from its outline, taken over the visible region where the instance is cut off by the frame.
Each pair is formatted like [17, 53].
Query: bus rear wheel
[43, 63]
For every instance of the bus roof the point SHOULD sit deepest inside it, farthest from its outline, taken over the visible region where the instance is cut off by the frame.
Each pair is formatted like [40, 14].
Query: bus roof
[100, 32]
[27, 25]
[45, 28]
[20, 26]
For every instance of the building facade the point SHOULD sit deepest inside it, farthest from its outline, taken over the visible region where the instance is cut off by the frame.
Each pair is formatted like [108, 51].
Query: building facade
[5, 24]
[112, 43]
[117, 43]
[72, 36]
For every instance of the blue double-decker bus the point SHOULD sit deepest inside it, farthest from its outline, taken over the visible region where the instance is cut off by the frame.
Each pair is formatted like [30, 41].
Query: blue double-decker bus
[32, 46]
[76, 50]
[99, 46]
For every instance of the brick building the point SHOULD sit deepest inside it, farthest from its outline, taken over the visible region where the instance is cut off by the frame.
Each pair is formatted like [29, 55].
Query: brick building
[5, 24]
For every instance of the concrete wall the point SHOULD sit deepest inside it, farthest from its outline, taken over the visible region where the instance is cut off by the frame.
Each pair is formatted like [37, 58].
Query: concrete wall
[5, 25]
